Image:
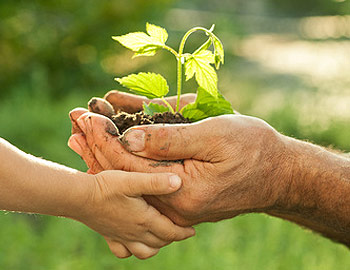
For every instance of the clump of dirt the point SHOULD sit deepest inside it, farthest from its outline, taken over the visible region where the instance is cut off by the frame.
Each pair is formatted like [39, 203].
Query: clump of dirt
[124, 120]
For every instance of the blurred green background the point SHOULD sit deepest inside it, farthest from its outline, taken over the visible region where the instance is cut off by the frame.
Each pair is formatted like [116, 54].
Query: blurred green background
[287, 62]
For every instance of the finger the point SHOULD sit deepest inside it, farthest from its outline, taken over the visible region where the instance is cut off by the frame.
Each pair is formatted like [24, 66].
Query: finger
[138, 184]
[101, 106]
[125, 102]
[169, 212]
[118, 249]
[95, 160]
[98, 133]
[77, 143]
[141, 250]
[173, 142]
[89, 171]
[184, 100]
[151, 240]
[132, 103]
[165, 229]
[74, 115]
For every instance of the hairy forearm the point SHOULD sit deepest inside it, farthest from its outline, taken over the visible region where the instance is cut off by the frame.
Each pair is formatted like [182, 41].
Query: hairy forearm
[318, 192]
[30, 184]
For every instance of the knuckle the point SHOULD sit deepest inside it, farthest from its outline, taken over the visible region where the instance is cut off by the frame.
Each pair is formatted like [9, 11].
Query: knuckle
[128, 186]
[155, 183]
[160, 140]
[170, 235]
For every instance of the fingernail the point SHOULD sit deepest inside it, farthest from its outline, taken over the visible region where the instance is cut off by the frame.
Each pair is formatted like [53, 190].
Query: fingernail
[75, 146]
[135, 140]
[112, 129]
[175, 181]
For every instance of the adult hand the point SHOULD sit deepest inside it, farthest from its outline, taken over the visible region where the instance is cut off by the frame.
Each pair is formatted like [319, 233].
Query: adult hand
[116, 101]
[230, 163]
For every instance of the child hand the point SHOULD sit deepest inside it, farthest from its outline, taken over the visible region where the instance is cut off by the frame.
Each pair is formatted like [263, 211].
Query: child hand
[117, 211]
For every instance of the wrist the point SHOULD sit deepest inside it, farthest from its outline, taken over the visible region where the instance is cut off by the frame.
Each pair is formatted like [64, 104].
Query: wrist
[310, 173]
[316, 190]
[77, 202]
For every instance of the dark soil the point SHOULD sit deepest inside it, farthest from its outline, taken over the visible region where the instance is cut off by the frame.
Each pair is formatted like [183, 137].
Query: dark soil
[124, 120]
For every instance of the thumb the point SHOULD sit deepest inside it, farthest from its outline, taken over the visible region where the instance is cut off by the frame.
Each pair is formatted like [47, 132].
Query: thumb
[138, 184]
[173, 142]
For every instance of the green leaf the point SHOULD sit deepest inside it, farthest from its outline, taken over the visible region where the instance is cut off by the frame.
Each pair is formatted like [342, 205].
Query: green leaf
[204, 46]
[148, 50]
[137, 41]
[144, 44]
[218, 51]
[153, 108]
[199, 64]
[150, 85]
[191, 112]
[157, 33]
[206, 106]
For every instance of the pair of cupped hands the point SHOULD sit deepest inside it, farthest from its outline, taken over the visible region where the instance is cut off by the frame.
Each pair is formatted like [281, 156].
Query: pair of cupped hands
[227, 166]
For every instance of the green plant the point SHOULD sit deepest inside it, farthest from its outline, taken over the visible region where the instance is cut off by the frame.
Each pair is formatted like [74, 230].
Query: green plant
[198, 64]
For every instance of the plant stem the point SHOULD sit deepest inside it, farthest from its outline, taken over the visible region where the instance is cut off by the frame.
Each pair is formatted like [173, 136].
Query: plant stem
[179, 82]
[170, 50]
[180, 61]
[168, 105]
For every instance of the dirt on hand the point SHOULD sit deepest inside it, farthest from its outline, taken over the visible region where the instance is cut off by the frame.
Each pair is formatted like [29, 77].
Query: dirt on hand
[124, 120]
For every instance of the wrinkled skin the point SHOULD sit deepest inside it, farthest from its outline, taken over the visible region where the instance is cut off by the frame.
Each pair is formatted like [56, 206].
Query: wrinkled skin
[229, 162]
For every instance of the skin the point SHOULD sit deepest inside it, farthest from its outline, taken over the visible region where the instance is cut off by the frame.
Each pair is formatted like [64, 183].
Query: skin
[110, 202]
[232, 164]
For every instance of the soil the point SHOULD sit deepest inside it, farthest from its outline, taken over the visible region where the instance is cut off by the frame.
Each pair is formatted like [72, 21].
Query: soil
[124, 120]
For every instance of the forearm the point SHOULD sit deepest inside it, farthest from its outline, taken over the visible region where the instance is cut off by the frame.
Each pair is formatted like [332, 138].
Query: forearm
[30, 184]
[318, 192]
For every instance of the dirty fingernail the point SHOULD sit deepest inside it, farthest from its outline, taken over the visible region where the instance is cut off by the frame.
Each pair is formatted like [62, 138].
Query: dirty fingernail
[135, 140]
[112, 129]
[75, 146]
[175, 181]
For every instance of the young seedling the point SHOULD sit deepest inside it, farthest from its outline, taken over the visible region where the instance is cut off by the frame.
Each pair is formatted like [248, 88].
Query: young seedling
[198, 64]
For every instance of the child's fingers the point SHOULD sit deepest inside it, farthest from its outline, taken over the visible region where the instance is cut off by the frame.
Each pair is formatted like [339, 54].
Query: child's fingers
[138, 184]
[141, 250]
[153, 241]
[118, 249]
[165, 229]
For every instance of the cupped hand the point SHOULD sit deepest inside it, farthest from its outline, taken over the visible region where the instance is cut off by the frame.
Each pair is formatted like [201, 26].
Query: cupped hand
[228, 164]
[118, 212]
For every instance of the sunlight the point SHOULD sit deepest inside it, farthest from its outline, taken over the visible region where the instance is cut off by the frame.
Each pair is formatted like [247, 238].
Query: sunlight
[321, 60]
